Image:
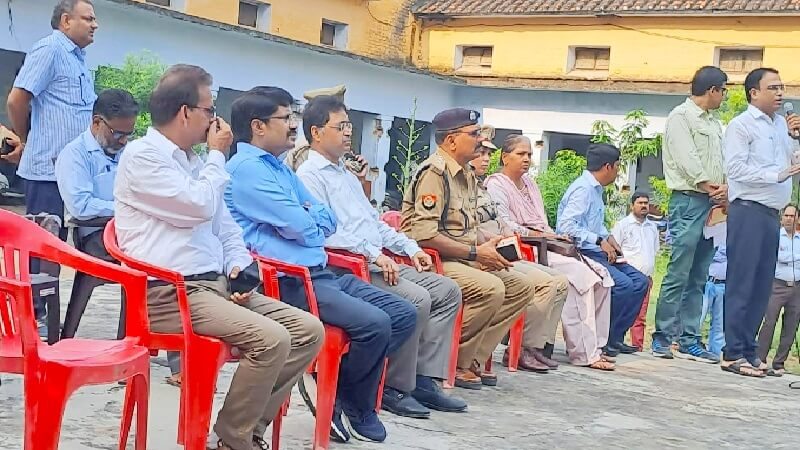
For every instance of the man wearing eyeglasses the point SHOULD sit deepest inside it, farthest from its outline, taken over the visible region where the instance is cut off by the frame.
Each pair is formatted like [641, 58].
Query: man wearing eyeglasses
[758, 151]
[440, 212]
[693, 171]
[86, 167]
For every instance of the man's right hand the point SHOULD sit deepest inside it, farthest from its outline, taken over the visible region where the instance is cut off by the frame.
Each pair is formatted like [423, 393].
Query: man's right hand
[788, 173]
[14, 141]
[708, 187]
[609, 250]
[220, 136]
[390, 269]
[489, 258]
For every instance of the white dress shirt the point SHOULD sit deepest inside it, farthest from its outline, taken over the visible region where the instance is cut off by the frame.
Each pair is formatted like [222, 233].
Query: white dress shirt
[170, 212]
[360, 230]
[756, 149]
[788, 257]
[639, 242]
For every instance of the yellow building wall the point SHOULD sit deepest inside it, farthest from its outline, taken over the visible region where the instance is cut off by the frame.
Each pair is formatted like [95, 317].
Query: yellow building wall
[378, 29]
[642, 49]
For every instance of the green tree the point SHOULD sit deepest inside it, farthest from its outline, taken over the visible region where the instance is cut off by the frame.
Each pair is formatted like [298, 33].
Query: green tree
[630, 139]
[138, 75]
[409, 151]
[494, 162]
[661, 193]
[554, 181]
[735, 103]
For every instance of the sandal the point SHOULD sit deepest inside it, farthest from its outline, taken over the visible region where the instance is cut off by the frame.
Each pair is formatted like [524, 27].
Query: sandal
[775, 372]
[742, 367]
[174, 380]
[221, 445]
[607, 358]
[602, 364]
[259, 443]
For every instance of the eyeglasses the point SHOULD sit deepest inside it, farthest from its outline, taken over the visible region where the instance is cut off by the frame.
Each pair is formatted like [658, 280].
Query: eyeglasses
[290, 119]
[117, 135]
[210, 110]
[724, 90]
[343, 126]
[777, 87]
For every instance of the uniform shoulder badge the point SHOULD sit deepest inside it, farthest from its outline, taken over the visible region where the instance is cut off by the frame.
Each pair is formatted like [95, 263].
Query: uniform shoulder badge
[429, 201]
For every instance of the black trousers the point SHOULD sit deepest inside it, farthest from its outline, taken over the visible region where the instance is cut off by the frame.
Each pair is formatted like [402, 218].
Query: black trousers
[752, 246]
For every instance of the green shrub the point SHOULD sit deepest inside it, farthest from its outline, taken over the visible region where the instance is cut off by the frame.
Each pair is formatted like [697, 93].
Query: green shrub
[554, 181]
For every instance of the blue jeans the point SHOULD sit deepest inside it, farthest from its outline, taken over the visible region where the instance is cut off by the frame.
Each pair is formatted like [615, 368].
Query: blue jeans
[713, 302]
[377, 322]
[627, 295]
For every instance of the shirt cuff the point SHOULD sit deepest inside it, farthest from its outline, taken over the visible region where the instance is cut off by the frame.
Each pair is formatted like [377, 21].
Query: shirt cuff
[771, 177]
[591, 238]
[216, 157]
[372, 253]
[240, 261]
[412, 249]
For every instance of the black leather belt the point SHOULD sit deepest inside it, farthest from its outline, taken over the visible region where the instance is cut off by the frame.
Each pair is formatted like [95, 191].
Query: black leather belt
[716, 280]
[207, 276]
[693, 194]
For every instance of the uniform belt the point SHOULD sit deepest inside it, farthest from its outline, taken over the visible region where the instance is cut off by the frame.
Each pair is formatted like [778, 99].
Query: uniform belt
[207, 276]
[716, 280]
[786, 283]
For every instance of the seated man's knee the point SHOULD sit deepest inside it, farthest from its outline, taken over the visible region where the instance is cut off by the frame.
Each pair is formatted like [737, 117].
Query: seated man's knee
[267, 338]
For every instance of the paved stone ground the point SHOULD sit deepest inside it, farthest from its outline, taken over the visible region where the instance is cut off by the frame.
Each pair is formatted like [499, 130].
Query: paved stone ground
[646, 403]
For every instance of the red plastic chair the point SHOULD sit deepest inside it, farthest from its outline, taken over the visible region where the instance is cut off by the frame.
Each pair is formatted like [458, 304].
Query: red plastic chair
[201, 356]
[52, 373]
[336, 344]
[393, 219]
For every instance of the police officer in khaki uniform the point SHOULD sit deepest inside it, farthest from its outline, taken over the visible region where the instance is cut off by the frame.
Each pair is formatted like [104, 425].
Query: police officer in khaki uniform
[439, 211]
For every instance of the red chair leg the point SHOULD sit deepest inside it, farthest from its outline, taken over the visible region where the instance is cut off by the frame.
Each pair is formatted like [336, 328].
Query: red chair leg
[515, 343]
[379, 400]
[128, 406]
[142, 408]
[201, 363]
[488, 366]
[277, 422]
[454, 344]
[48, 419]
[327, 379]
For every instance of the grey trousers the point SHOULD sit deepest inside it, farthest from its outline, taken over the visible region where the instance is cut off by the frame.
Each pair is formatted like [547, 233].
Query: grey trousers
[788, 299]
[427, 351]
[277, 342]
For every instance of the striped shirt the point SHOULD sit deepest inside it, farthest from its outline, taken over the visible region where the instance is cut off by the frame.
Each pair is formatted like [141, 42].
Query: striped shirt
[55, 73]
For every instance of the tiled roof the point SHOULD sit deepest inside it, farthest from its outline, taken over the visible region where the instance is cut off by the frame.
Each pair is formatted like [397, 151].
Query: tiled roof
[592, 7]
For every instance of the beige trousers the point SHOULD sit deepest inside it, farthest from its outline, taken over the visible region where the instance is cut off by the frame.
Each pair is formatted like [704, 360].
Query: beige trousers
[544, 311]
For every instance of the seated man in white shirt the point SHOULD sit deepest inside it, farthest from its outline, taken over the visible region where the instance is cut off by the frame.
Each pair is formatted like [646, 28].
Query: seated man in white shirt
[170, 213]
[411, 381]
[638, 238]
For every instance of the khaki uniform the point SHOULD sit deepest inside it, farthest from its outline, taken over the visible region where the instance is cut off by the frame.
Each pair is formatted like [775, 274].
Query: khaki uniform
[492, 300]
[549, 285]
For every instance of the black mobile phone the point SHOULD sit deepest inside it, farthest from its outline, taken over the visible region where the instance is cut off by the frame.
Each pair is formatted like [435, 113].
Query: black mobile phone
[247, 280]
[5, 147]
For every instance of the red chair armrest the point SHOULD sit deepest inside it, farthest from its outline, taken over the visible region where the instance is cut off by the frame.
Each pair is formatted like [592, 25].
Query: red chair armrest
[296, 271]
[349, 261]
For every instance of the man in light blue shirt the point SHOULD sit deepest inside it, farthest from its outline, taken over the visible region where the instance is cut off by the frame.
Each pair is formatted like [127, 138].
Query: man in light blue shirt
[581, 215]
[51, 102]
[411, 387]
[282, 220]
[785, 295]
[758, 153]
[86, 167]
[714, 300]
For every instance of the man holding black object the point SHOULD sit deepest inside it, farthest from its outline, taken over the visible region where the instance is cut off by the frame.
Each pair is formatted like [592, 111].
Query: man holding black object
[758, 151]
[170, 213]
[440, 212]
[581, 215]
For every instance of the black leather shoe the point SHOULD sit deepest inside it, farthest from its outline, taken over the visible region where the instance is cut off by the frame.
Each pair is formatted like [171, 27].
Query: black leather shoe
[430, 395]
[624, 348]
[610, 351]
[404, 405]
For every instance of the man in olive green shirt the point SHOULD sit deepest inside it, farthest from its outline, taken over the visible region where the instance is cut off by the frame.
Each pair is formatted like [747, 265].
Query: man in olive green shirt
[693, 170]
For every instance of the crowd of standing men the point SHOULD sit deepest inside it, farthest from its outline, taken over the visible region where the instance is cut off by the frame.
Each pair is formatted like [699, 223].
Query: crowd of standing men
[206, 217]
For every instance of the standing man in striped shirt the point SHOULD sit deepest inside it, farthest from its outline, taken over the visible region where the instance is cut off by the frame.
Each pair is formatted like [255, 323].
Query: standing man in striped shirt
[51, 103]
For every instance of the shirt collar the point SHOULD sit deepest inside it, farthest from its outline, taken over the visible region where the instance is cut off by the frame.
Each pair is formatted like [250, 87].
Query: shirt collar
[163, 143]
[452, 165]
[90, 142]
[692, 106]
[67, 43]
[251, 151]
[320, 162]
[758, 114]
[784, 233]
[591, 180]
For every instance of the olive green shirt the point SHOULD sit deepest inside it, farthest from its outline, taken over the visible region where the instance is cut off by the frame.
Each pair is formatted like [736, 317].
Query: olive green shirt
[692, 148]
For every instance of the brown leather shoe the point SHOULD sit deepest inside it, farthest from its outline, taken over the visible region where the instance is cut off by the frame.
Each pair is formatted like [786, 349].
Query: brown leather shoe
[539, 355]
[527, 361]
[467, 379]
[487, 378]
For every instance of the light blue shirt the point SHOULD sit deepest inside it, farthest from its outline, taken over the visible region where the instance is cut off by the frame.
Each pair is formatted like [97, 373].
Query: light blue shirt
[360, 230]
[788, 257]
[756, 149]
[280, 218]
[719, 265]
[85, 176]
[55, 73]
[581, 212]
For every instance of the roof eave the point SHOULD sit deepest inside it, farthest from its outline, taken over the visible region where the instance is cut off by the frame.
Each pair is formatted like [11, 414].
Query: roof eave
[572, 14]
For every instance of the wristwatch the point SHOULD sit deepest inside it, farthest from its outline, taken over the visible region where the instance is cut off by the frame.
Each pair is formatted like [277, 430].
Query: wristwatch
[473, 253]
[599, 240]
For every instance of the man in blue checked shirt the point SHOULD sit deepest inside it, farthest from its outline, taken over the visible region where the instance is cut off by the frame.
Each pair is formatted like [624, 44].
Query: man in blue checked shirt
[51, 103]
[581, 215]
[282, 220]
[86, 168]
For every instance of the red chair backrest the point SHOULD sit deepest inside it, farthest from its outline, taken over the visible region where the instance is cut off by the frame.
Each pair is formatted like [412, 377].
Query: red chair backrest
[392, 218]
[17, 323]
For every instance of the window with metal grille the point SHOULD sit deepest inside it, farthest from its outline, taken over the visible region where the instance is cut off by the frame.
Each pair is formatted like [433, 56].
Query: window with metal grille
[248, 14]
[734, 60]
[476, 58]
